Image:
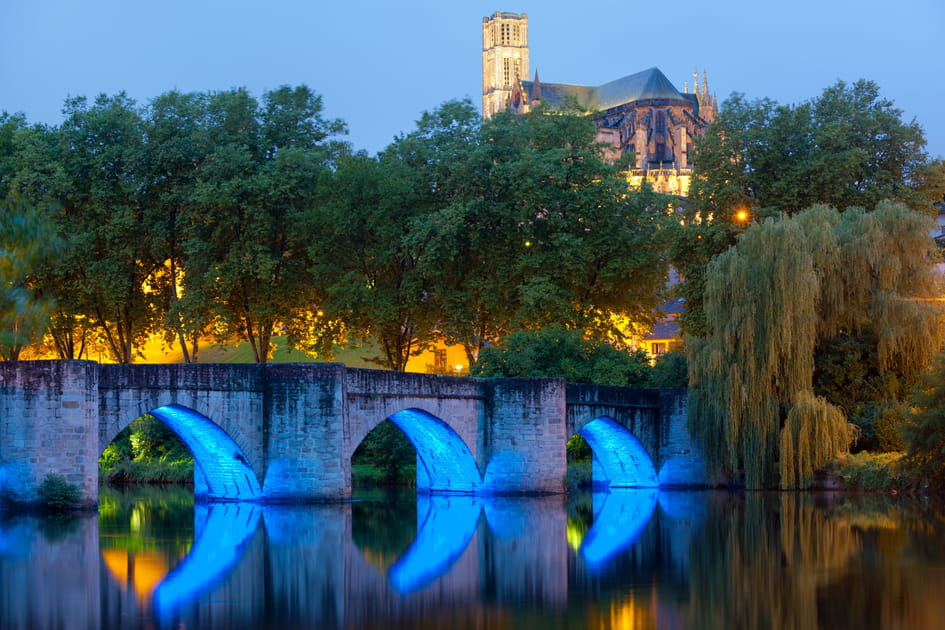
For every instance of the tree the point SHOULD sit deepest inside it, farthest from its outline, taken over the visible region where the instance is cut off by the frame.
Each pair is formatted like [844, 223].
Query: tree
[176, 150]
[245, 249]
[27, 242]
[849, 147]
[563, 353]
[107, 263]
[788, 283]
[361, 254]
[925, 432]
[535, 228]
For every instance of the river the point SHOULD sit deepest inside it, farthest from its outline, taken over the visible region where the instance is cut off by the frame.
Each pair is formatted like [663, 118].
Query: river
[150, 558]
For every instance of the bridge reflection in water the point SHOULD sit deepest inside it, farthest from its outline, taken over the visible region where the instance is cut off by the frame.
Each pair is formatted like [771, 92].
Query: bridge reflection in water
[221, 532]
[529, 563]
[446, 525]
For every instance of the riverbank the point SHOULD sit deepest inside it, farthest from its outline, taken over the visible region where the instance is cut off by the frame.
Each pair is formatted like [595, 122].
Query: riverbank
[153, 472]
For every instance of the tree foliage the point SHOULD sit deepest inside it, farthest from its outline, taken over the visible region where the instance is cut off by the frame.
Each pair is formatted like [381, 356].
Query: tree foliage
[541, 231]
[246, 249]
[27, 242]
[788, 283]
[924, 434]
[848, 147]
[101, 148]
[217, 215]
[563, 353]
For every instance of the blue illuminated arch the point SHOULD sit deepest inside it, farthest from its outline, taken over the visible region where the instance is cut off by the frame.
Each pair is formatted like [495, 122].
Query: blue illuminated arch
[620, 517]
[221, 533]
[444, 462]
[623, 462]
[445, 525]
[221, 470]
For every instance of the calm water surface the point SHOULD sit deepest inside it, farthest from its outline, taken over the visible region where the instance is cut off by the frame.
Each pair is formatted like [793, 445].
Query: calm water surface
[629, 559]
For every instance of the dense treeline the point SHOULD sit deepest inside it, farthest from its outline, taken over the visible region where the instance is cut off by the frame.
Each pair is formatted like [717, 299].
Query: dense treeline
[220, 216]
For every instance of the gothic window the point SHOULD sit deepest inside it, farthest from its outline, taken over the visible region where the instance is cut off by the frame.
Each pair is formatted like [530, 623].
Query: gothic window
[507, 71]
[505, 34]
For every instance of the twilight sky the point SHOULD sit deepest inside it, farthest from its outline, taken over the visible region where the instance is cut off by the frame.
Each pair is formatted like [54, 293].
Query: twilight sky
[380, 63]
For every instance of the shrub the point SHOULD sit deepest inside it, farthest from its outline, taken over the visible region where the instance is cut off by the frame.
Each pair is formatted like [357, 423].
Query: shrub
[57, 494]
[872, 471]
[563, 353]
[670, 370]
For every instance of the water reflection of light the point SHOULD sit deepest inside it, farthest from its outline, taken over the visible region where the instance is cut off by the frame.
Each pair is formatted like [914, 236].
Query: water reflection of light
[445, 525]
[221, 532]
[630, 614]
[619, 517]
[141, 570]
[623, 461]
[576, 532]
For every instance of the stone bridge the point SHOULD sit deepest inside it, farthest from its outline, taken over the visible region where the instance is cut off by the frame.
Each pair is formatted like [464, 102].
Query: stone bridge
[286, 432]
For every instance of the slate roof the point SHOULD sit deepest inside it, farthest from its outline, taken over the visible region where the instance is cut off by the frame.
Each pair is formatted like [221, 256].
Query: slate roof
[646, 85]
[668, 326]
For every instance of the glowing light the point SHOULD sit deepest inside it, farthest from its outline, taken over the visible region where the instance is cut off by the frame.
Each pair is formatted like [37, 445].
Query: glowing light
[444, 462]
[741, 215]
[624, 463]
[221, 470]
[445, 526]
[575, 533]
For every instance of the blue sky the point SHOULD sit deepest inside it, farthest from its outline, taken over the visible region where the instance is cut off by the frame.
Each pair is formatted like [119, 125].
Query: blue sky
[379, 64]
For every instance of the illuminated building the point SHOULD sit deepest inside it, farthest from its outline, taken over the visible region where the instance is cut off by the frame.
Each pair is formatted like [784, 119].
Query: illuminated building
[642, 117]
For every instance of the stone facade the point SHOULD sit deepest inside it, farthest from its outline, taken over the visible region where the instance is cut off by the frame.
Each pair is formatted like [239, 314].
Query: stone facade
[641, 117]
[286, 432]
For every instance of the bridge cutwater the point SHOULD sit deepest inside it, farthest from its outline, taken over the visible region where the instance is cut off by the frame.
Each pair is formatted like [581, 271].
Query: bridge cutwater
[286, 432]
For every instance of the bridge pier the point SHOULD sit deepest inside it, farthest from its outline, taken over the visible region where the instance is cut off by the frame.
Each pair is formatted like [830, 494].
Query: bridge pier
[49, 423]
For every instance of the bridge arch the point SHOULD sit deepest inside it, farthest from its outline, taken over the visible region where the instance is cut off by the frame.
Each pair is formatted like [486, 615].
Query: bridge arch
[444, 461]
[222, 470]
[620, 460]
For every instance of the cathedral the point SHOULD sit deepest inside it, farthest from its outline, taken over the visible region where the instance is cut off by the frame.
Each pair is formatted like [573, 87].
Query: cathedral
[641, 115]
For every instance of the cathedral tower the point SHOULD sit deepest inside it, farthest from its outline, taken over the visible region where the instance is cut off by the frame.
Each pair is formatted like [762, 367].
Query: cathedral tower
[504, 58]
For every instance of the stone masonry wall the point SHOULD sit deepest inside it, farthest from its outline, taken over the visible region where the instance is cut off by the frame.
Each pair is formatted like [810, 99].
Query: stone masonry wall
[48, 424]
[522, 435]
[306, 443]
[681, 460]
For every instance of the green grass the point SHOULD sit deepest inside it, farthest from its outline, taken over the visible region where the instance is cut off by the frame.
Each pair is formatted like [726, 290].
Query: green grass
[368, 475]
[242, 352]
[150, 472]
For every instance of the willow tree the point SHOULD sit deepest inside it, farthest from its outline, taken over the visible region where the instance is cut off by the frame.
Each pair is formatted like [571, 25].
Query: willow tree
[786, 284]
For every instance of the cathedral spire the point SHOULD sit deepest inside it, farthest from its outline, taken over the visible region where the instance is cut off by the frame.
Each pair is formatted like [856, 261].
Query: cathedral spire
[705, 84]
[536, 89]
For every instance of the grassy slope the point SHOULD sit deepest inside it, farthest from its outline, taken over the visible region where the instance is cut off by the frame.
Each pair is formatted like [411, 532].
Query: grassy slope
[282, 353]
